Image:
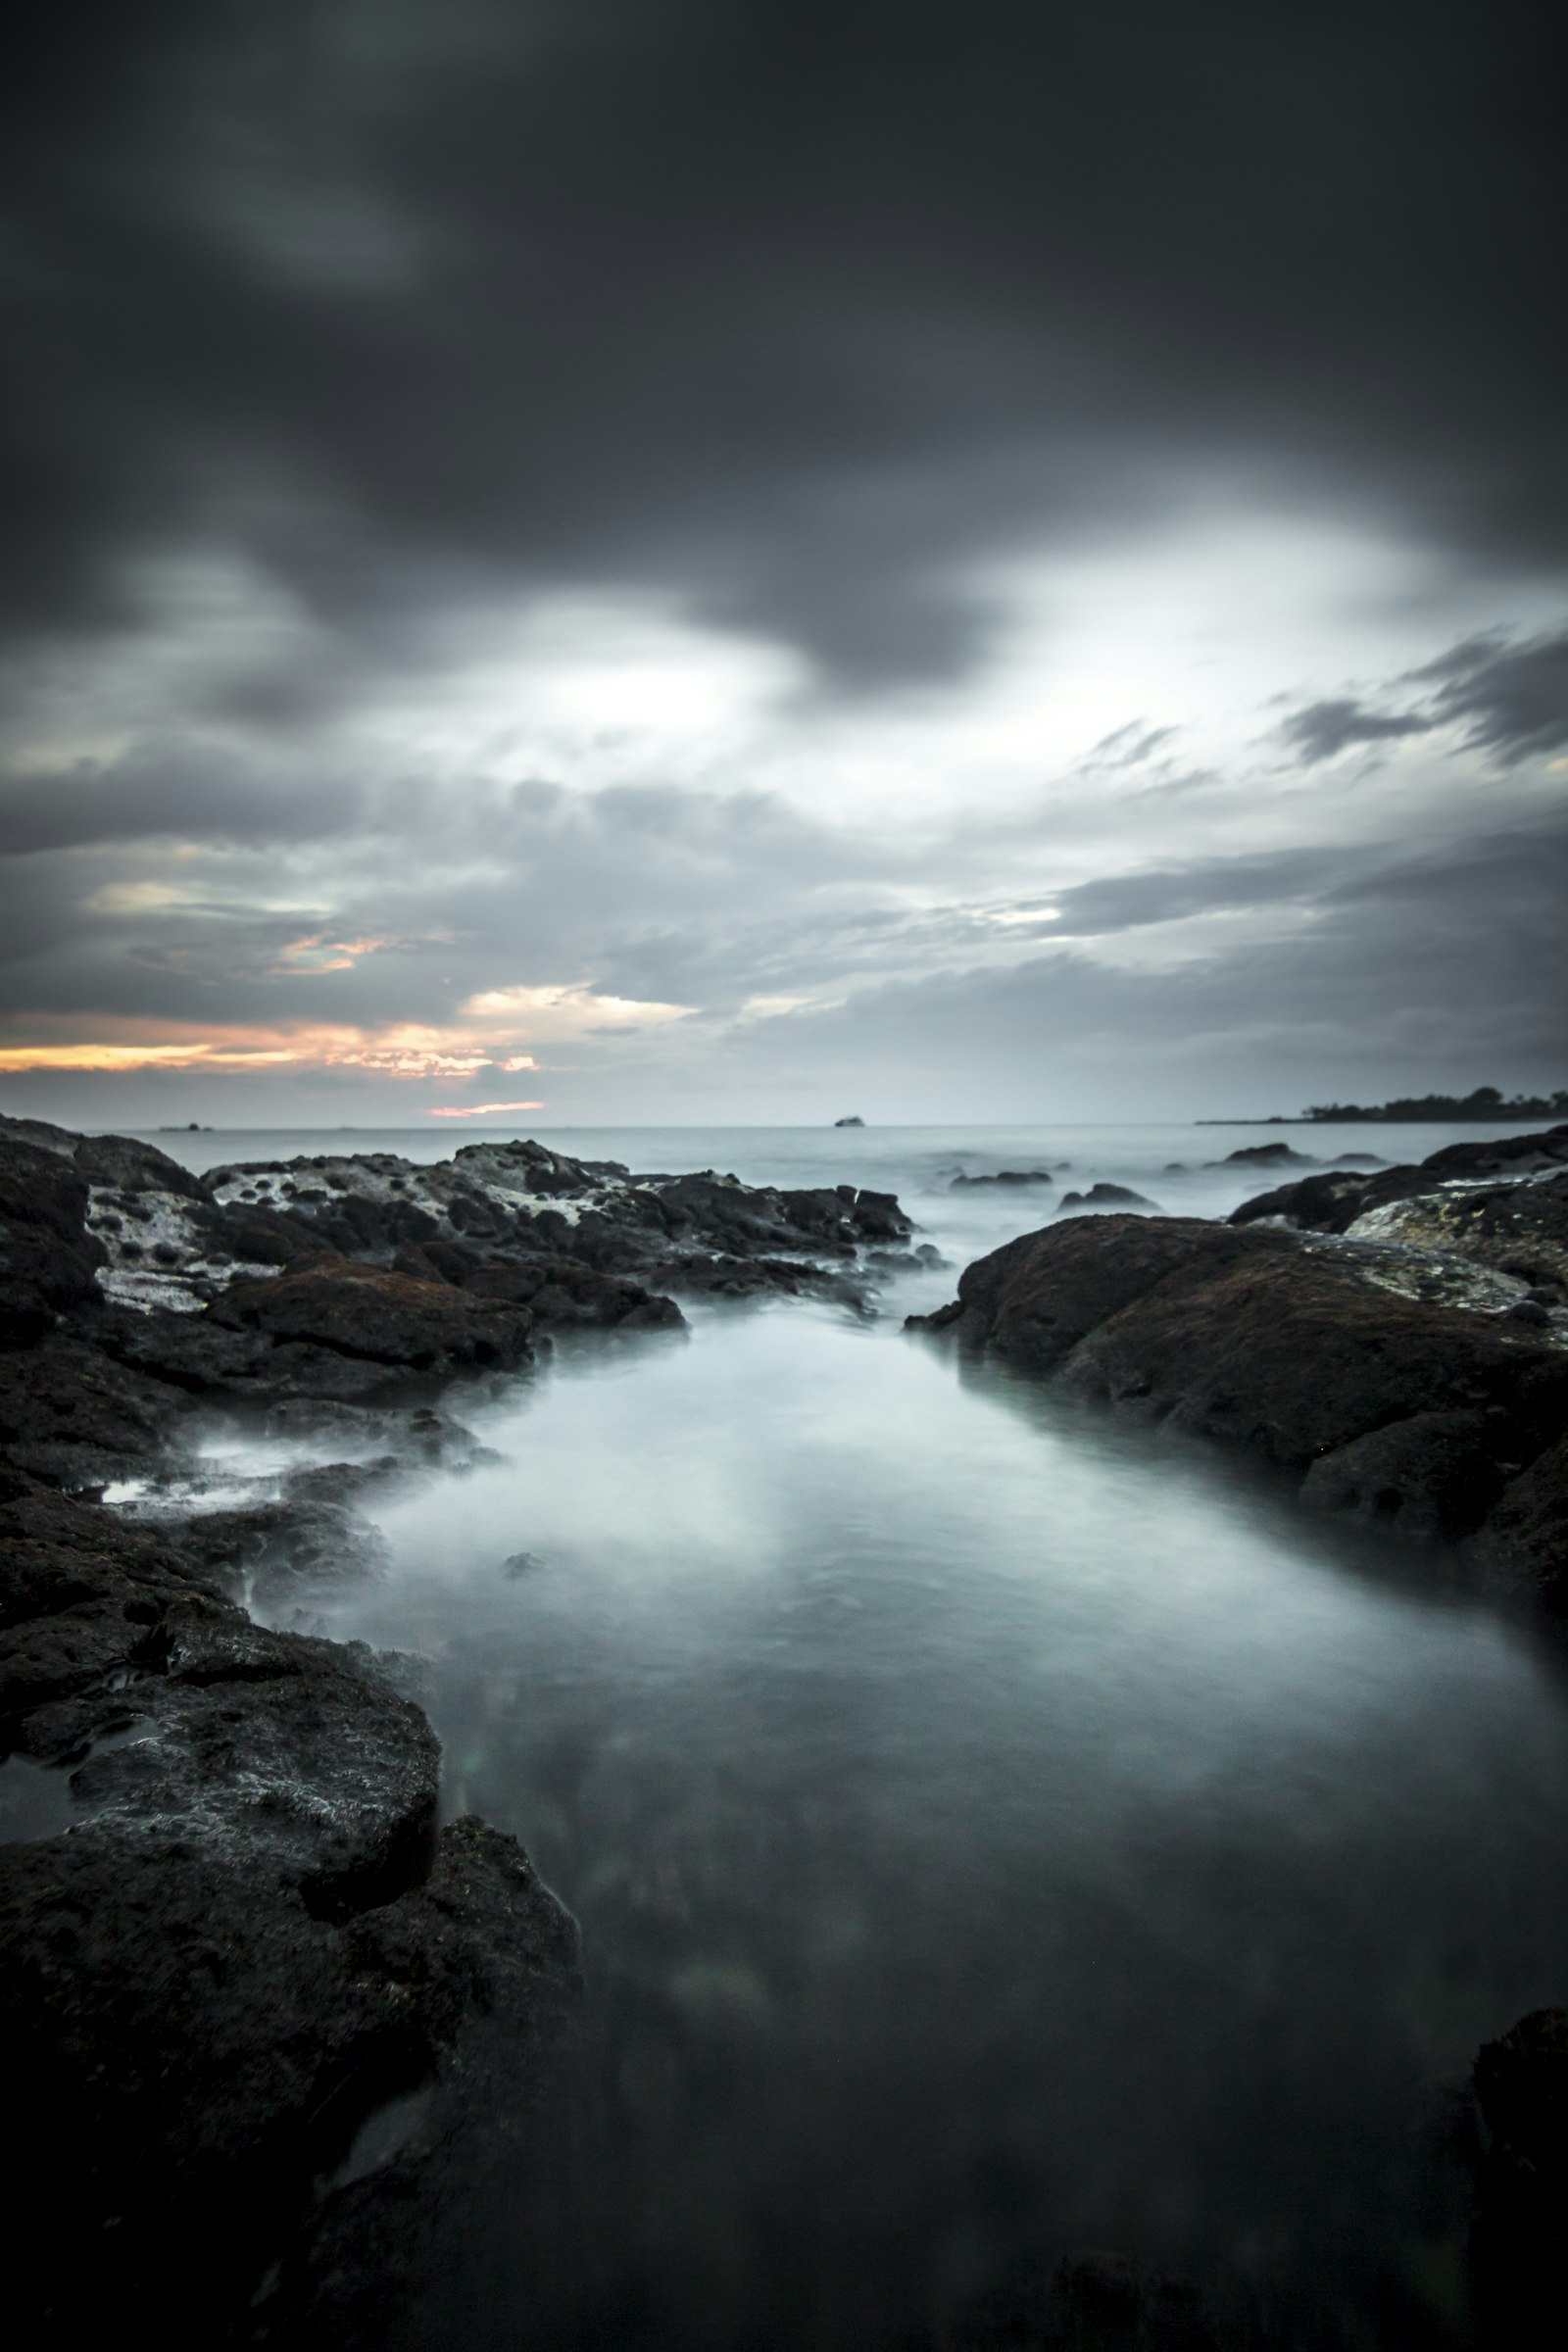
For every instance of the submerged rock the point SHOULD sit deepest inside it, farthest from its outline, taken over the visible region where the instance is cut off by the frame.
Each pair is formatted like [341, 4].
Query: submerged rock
[1015, 1176]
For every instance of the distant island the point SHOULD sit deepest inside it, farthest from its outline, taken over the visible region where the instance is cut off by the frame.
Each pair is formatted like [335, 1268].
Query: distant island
[1484, 1102]
[848, 1122]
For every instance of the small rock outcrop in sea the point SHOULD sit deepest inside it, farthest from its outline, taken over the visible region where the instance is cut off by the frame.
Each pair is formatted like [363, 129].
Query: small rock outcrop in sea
[251, 1936]
[1385, 1365]
[1013, 1176]
[1107, 1197]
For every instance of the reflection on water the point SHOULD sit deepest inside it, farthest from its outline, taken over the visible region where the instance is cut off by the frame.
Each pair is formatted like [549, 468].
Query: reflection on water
[990, 1835]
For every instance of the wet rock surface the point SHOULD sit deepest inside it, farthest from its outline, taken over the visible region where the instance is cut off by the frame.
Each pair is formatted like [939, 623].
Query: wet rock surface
[250, 1944]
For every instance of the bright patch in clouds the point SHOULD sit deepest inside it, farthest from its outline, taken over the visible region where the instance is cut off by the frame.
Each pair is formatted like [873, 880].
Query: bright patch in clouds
[476, 1111]
[552, 1011]
[319, 954]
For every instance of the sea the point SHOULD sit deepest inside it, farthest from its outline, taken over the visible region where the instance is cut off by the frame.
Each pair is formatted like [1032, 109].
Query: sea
[997, 1833]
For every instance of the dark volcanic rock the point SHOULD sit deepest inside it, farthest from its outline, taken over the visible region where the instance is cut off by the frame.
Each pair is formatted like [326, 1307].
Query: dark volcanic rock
[1434, 1475]
[1523, 1547]
[107, 1159]
[380, 1315]
[1332, 1202]
[72, 1414]
[48, 1260]
[1517, 2241]
[558, 1292]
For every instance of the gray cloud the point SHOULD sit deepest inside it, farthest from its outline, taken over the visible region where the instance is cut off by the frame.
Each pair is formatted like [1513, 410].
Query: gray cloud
[1324, 729]
[791, 311]
[1447, 965]
[1511, 698]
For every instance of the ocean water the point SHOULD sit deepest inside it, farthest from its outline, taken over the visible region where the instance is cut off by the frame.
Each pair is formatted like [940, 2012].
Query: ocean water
[995, 1832]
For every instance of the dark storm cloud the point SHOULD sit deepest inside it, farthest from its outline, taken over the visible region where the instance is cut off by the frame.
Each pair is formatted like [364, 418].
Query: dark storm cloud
[1512, 699]
[1208, 886]
[791, 311]
[1322, 730]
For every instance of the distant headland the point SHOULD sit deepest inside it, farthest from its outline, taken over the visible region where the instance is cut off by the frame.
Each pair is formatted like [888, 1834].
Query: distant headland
[1484, 1102]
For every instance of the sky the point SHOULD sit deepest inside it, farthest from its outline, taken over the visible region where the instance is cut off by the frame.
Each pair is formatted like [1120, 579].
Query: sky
[703, 562]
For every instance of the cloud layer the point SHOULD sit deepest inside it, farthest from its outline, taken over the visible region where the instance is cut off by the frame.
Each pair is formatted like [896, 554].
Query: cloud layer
[649, 543]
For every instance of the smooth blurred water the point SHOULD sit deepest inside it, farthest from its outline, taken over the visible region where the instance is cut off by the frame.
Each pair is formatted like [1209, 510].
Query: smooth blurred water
[995, 1831]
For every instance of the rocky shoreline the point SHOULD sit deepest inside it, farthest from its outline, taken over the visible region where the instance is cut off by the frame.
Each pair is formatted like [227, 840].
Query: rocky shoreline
[251, 1985]
[254, 1988]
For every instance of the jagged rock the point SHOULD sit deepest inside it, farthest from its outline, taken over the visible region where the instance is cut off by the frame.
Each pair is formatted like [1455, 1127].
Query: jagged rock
[558, 1292]
[48, 1260]
[105, 1159]
[1521, 1229]
[1332, 1202]
[378, 1316]
[72, 1414]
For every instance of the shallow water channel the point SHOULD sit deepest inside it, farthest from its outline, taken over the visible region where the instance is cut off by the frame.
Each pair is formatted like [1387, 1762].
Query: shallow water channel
[995, 1833]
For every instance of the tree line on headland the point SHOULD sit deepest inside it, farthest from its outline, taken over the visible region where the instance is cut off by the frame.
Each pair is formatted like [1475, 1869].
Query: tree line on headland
[1485, 1103]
